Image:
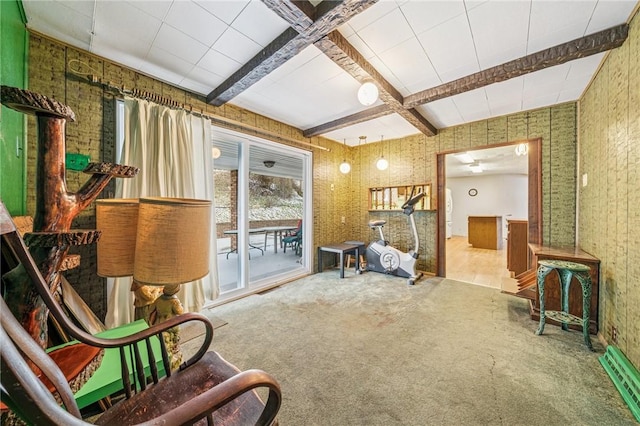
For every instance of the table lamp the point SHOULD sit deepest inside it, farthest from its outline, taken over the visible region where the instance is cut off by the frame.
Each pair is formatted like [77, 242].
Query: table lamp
[162, 242]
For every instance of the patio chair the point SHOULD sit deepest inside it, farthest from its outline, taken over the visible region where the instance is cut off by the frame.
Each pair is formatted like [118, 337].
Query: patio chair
[204, 387]
[293, 241]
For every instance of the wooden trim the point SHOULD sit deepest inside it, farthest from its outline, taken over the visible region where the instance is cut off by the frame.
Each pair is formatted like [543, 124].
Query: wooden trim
[535, 196]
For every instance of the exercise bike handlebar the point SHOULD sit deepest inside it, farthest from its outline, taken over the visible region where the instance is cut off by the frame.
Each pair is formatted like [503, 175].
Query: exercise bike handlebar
[413, 199]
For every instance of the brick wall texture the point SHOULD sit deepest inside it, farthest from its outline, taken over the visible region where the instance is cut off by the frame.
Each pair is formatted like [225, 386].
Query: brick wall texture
[608, 217]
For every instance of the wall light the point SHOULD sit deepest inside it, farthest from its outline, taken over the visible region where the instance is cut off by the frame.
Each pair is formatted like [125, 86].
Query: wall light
[521, 149]
[368, 93]
[269, 163]
[215, 152]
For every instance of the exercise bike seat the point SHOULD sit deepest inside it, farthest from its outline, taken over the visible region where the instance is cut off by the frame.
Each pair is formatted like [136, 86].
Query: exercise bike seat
[376, 223]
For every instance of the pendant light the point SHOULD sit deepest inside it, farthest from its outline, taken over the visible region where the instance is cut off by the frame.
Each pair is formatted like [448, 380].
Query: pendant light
[382, 163]
[345, 167]
[368, 93]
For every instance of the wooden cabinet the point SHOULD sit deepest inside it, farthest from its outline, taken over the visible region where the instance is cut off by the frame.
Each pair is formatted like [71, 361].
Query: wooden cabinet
[485, 232]
[517, 246]
[552, 285]
[393, 197]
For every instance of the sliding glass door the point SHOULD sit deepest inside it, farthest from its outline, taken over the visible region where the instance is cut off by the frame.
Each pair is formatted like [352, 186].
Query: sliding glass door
[263, 199]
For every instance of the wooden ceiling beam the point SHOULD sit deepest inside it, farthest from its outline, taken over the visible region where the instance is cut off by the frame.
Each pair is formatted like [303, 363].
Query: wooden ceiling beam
[579, 48]
[340, 51]
[575, 49]
[303, 33]
[350, 120]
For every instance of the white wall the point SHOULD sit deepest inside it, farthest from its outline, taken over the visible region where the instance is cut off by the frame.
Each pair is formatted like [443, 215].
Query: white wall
[498, 195]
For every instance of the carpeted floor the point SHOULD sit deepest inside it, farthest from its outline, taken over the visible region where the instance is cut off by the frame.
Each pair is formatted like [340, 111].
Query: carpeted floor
[371, 350]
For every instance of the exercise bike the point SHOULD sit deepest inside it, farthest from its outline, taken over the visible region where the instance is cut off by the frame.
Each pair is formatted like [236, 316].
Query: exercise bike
[386, 259]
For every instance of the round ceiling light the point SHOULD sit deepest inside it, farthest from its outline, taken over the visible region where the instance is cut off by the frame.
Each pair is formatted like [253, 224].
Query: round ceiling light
[382, 164]
[345, 167]
[368, 93]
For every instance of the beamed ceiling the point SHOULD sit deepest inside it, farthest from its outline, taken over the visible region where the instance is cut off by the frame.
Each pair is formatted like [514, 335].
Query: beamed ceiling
[436, 63]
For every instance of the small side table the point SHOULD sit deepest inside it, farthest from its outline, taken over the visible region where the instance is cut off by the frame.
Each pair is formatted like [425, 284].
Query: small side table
[566, 270]
[341, 249]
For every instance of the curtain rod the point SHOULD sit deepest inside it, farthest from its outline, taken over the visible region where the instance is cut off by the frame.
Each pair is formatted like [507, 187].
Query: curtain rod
[154, 97]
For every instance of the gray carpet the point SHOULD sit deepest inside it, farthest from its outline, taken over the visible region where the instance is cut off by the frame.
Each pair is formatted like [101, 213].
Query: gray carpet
[370, 350]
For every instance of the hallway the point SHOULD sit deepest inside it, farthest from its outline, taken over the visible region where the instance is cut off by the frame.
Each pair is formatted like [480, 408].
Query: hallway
[483, 267]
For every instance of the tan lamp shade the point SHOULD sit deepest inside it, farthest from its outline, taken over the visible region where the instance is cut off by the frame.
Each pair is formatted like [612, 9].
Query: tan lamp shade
[117, 219]
[172, 243]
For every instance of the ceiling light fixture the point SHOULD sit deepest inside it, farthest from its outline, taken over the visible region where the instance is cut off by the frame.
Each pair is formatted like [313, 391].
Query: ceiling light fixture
[368, 93]
[464, 157]
[269, 163]
[521, 149]
[215, 152]
[475, 167]
[345, 167]
[382, 163]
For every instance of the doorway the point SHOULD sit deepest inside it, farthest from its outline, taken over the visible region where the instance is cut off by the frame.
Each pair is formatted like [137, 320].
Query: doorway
[533, 184]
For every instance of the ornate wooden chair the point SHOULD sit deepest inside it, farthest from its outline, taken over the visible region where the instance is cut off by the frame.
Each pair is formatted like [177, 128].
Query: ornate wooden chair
[205, 388]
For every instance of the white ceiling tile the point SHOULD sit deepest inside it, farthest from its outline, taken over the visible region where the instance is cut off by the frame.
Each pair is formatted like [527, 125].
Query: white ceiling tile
[441, 113]
[360, 46]
[371, 14]
[179, 44]
[85, 8]
[472, 105]
[125, 22]
[390, 127]
[417, 66]
[196, 22]
[451, 36]
[378, 36]
[504, 89]
[388, 75]
[111, 47]
[541, 101]
[259, 23]
[62, 23]
[424, 15]
[499, 30]
[156, 8]
[554, 22]
[205, 78]
[161, 72]
[568, 95]
[292, 65]
[236, 46]
[609, 14]
[217, 63]
[547, 79]
[173, 64]
[227, 10]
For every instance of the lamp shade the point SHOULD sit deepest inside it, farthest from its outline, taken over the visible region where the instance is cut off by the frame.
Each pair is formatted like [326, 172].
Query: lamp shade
[172, 243]
[117, 219]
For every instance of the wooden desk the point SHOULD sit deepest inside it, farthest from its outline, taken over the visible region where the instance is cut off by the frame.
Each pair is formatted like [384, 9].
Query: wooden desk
[552, 285]
[485, 232]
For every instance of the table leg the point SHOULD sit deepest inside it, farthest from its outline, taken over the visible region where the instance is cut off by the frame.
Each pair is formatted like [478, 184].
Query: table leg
[319, 260]
[342, 264]
[357, 262]
[543, 271]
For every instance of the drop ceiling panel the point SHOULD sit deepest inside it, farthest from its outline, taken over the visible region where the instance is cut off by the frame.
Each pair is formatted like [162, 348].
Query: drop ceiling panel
[441, 113]
[472, 105]
[227, 11]
[419, 67]
[459, 40]
[196, 22]
[390, 127]
[557, 20]
[237, 46]
[156, 8]
[499, 30]
[217, 63]
[425, 17]
[63, 23]
[371, 14]
[178, 44]
[259, 24]
[609, 12]
[378, 36]
[125, 22]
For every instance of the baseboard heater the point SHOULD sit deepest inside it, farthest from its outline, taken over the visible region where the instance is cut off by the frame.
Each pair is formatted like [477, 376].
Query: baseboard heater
[624, 376]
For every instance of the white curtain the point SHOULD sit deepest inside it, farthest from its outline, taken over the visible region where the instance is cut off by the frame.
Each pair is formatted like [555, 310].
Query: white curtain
[172, 148]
